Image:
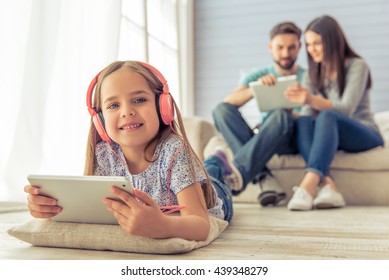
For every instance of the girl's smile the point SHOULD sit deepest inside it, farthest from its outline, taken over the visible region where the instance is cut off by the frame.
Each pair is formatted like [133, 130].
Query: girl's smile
[130, 126]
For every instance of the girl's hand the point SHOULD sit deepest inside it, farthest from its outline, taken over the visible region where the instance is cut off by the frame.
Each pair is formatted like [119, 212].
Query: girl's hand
[135, 217]
[41, 206]
[298, 94]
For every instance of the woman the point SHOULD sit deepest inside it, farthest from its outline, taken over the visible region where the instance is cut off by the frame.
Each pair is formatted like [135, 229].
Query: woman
[336, 90]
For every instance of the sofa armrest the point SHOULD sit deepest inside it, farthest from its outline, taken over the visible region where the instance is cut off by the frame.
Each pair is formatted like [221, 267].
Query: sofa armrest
[382, 120]
[199, 131]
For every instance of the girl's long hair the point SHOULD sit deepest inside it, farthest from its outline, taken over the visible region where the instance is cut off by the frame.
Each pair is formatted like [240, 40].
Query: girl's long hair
[336, 50]
[177, 126]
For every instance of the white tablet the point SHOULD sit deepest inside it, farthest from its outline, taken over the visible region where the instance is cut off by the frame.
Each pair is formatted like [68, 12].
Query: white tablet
[272, 97]
[81, 197]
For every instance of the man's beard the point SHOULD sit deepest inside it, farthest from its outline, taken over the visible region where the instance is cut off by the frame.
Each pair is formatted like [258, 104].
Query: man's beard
[287, 66]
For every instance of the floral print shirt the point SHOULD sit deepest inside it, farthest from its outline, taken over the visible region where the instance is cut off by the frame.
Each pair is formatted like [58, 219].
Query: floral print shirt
[171, 161]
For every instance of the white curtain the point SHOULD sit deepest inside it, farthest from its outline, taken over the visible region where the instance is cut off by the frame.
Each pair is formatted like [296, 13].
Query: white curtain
[49, 52]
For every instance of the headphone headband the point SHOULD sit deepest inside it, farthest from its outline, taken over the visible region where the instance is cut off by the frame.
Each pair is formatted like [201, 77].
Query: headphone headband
[159, 75]
[89, 94]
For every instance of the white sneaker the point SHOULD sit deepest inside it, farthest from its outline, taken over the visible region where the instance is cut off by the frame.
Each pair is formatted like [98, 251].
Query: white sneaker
[327, 198]
[301, 200]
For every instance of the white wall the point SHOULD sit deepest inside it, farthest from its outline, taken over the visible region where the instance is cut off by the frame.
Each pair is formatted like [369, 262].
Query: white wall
[231, 38]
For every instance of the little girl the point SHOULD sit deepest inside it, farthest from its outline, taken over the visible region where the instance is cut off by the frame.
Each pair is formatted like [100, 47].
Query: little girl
[133, 134]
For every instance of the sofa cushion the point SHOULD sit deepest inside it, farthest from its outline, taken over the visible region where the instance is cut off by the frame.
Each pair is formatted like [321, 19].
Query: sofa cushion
[199, 132]
[376, 159]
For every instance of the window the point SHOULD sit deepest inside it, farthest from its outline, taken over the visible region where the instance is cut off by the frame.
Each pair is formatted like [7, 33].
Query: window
[50, 54]
[149, 32]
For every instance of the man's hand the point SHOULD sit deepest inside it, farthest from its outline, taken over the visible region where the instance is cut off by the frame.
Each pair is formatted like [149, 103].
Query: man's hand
[268, 80]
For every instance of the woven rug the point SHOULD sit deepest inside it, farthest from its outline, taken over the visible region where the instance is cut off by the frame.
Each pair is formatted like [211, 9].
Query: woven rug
[12, 206]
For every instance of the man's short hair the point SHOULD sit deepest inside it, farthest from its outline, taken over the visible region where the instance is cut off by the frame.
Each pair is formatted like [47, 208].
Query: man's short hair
[286, 27]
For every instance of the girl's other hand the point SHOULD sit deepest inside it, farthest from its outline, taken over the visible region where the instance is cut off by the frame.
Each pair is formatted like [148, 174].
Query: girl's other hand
[41, 206]
[137, 214]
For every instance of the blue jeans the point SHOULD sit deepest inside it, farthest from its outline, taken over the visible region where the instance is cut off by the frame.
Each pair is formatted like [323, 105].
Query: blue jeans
[253, 151]
[319, 139]
[215, 170]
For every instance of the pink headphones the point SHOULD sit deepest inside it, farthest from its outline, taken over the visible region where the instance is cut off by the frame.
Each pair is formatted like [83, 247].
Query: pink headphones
[165, 108]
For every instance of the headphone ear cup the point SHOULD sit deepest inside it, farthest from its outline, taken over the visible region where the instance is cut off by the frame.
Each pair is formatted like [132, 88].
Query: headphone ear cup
[166, 108]
[98, 121]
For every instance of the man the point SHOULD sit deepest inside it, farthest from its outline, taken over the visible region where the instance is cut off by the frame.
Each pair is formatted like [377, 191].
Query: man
[251, 151]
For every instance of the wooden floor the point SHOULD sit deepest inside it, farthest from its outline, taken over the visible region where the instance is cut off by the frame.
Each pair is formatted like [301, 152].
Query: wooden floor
[254, 234]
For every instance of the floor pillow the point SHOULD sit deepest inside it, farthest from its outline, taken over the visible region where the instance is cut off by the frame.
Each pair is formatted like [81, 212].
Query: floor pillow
[47, 233]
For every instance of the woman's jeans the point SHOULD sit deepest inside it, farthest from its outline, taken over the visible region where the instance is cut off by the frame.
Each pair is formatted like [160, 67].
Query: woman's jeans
[319, 139]
[253, 151]
[215, 170]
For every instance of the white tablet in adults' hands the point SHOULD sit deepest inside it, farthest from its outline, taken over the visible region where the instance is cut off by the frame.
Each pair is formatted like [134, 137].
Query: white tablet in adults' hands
[272, 97]
[81, 197]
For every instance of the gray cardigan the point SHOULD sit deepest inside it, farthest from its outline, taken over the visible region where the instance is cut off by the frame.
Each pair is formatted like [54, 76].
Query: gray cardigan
[355, 101]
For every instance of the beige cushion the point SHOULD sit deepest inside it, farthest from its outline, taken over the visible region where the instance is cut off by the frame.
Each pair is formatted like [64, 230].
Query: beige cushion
[47, 233]
[198, 131]
[376, 159]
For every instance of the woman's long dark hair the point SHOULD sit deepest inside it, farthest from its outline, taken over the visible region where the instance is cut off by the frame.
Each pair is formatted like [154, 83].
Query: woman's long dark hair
[336, 50]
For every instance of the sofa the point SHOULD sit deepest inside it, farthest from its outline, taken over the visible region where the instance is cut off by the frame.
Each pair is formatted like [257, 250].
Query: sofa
[362, 178]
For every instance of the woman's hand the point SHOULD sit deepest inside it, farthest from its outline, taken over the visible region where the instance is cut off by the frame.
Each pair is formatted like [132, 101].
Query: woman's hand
[41, 206]
[135, 217]
[298, 94]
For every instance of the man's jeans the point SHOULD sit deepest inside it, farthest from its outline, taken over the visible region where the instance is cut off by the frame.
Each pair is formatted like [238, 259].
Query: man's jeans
[319, 139]
[253, 151]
